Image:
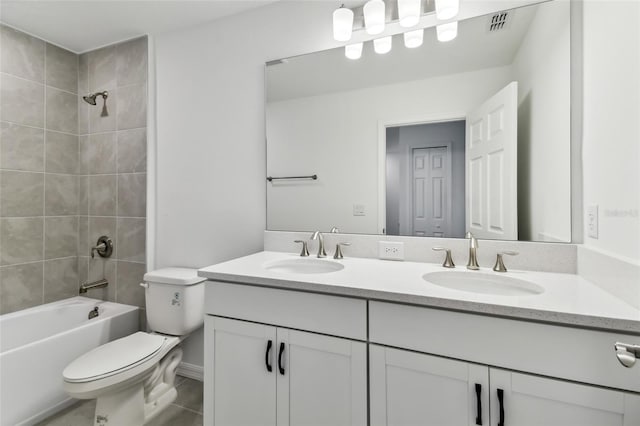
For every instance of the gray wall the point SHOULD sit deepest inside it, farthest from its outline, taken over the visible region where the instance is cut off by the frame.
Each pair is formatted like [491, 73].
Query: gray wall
[425, 136]
[59, 191]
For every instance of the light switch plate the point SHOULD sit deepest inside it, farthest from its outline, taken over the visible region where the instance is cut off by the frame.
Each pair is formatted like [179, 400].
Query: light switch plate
[592, 221]
[358, 210]
[390, 250]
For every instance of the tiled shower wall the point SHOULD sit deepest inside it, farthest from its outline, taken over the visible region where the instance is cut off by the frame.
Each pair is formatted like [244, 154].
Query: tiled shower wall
[38, 161]
[69, 175]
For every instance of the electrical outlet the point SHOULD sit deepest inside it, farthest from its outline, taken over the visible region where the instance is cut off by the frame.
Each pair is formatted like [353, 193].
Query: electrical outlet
[592, 221]
[390, 251]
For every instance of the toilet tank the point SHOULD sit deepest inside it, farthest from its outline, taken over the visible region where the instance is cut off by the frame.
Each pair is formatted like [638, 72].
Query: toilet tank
[175, 300]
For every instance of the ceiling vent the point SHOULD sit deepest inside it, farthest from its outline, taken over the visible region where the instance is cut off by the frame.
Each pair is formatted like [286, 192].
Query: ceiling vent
[499, 21]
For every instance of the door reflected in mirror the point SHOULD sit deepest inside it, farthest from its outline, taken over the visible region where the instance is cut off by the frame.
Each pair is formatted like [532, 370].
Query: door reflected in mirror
[468, 135]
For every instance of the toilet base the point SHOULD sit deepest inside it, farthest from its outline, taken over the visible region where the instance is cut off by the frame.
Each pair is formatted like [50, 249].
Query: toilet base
[143, 401]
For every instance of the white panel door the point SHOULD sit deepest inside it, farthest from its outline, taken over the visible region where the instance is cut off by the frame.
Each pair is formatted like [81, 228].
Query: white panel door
[533, 401]
[408, 388]
[431, 199]
[491, 166]
[239, 388]
[322, 380]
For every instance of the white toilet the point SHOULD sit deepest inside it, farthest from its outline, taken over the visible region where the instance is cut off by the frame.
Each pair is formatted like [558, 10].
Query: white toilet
[132, 378]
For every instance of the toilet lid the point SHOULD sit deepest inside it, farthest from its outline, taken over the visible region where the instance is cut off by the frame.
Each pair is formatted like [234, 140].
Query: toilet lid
[113, 356]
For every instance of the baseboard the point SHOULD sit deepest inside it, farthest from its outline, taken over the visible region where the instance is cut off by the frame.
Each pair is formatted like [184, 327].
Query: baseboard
[192, 371]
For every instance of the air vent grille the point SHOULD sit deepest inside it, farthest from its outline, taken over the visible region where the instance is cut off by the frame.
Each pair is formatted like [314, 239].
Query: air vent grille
[499, 21]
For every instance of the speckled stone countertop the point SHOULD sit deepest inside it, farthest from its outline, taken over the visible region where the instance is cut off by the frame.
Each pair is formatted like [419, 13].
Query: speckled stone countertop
[567, 299]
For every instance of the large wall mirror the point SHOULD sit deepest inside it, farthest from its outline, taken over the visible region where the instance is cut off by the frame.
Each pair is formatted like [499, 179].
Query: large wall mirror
[467, 135]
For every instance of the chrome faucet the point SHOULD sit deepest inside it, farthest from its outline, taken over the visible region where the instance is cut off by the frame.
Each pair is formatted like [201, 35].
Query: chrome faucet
[318, 236]
[473, 247]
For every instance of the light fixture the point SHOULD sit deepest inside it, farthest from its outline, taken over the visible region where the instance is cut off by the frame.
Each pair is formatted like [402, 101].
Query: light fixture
[413, 38]
[353, 51]
[382, 45]
[409, 12]
[342, 23]
[374, 16]
[447, 32]
[447, 9]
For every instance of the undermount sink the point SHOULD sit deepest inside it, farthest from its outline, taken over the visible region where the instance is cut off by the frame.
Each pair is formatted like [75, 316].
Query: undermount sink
[478, 282]
[303, 266]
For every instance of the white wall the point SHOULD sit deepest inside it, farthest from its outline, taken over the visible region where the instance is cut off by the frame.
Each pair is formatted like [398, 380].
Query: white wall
[542, 70]
[611, 142]
[336, 136]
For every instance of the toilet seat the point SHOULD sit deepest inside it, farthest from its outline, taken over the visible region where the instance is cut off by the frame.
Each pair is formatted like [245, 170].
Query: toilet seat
[116, 364]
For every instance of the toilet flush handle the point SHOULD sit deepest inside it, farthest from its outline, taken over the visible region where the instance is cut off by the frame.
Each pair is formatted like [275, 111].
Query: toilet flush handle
[145, 285]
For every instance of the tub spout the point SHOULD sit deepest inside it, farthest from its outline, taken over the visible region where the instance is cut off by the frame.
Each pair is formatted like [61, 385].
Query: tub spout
[96, 284]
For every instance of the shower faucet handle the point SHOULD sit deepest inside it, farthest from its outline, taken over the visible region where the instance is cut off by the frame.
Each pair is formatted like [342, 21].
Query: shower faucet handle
[104, 247]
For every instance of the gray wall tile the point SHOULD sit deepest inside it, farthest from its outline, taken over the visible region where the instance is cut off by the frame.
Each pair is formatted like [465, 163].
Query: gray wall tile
[131, 238]
[84, 245]
[62, 111]
[102, 69]
[102, 195]
[60, 237]
[129, 277]
[101, 154]
[83, 195]
[21, 148]
[61, 195]
[131, 62]
[99, 226]
[21, 240]
[83, 159]
[98, 123]
[132, 151]
[21, 54]
[60, 279]
[62, 153]
[83, 74]
[132, 107]
[21, 193]
[21, 101]
[83, 116]
[61, 68]
[132, 195]
[20, 287]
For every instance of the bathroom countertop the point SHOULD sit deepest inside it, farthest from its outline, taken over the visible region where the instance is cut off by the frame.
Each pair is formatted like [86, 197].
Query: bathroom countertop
[567, 299]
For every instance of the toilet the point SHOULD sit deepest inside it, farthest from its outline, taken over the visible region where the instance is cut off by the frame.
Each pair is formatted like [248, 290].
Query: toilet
[132, 378]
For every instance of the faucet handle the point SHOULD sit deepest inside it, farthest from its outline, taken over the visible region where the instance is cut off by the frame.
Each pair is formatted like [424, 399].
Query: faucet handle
[448, 260]
[334, 230]
[338, 253]
[499, 266]
[305, 248]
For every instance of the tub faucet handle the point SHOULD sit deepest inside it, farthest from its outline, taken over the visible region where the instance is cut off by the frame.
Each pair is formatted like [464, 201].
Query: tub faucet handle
[448, 260]
[104, 247]
[499, 266]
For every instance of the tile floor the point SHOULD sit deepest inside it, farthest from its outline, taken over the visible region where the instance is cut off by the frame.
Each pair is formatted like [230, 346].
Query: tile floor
[186, 410]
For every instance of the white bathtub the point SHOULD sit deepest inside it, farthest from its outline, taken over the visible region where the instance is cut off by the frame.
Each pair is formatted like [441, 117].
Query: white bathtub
[36, 344]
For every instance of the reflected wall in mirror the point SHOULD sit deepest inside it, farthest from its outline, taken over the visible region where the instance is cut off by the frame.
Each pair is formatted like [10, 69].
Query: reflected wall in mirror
[468, 135]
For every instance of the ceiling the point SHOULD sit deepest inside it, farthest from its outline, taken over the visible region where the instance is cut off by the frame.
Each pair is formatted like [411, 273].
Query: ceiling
[84, 25]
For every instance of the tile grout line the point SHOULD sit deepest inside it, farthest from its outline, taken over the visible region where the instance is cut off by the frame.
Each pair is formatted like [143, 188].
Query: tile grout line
[44, 168]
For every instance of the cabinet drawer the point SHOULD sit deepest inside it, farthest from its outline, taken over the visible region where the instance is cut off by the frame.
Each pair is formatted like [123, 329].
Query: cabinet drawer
[333, 315]
[564, 352]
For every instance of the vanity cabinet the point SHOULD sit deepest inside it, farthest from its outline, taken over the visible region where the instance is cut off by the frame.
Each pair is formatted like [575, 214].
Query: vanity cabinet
[409, 388]
[259, 373]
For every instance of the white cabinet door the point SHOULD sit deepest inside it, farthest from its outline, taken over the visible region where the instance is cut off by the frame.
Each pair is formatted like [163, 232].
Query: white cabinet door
[239, 388]
[408, 388]
[321, 380]
[533, 401]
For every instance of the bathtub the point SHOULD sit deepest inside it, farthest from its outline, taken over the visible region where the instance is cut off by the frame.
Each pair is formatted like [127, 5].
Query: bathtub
[36, 344]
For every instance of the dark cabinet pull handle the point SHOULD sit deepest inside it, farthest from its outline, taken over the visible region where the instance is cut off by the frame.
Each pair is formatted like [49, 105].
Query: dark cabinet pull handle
[478, 404]
[280, 367]
[501, 402]
[266, 356]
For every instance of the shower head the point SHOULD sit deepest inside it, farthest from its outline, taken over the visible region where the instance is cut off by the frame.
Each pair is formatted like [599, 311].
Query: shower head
[91, 99]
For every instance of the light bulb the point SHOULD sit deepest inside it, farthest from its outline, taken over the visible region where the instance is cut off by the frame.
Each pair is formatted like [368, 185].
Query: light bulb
[409, 12]
[447, 9]
[413, 38]
[382, 45]
[342, 24]
[374, 16]
[353, 51]
[447, 32]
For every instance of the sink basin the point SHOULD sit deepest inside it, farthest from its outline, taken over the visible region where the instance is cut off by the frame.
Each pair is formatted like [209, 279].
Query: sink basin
[303, 266]
[478, 282]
